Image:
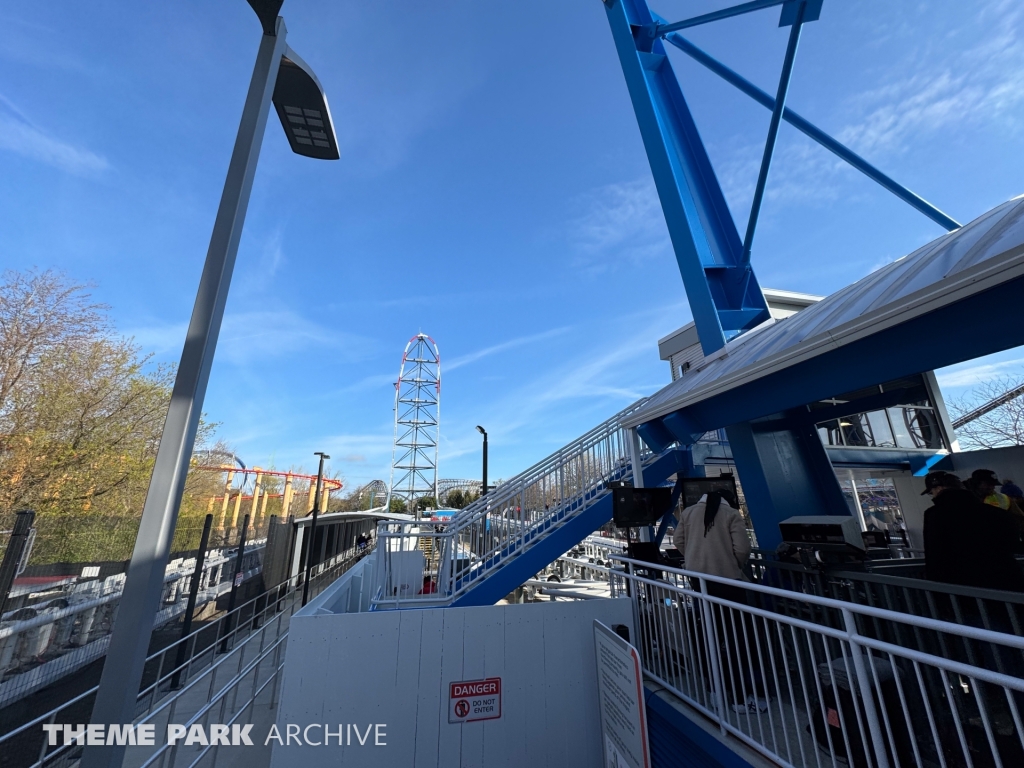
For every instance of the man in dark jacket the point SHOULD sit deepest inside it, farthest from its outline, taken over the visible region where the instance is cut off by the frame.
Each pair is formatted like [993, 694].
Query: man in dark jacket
[966, 541]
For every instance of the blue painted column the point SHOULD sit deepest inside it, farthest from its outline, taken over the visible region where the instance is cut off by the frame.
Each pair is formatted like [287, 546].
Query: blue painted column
[723, 293]
[784, 471]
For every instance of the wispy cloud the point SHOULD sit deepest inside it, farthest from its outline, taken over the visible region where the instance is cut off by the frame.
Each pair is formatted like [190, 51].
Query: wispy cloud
[929, 91]
[980, 84]
[620, 222]
[595, 377]
[20, 135]
[260, 335]
[159, 339]
[472, 357]
[973, 374]
[269, 253]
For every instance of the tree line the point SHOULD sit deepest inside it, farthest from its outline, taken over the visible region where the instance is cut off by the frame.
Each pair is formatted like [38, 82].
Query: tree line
[81, 412]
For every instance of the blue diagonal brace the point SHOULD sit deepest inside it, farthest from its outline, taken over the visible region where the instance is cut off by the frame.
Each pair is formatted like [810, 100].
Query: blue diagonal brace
[669, 517]
[724, 295]
[813, 132]
[773, 130]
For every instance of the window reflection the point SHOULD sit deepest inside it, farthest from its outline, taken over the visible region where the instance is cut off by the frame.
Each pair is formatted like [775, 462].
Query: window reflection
[911, 426]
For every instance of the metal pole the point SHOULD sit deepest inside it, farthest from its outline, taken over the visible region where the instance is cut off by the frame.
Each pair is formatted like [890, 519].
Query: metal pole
[193, 595]
[12, 556]
[236, 582]
[484, 491]
[856, 502]
[867, 693]
[312, 526]
[129, 642]
[635, 452]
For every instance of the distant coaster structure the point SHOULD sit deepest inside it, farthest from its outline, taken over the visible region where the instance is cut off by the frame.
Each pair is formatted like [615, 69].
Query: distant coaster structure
[239, 497]
[417, 423]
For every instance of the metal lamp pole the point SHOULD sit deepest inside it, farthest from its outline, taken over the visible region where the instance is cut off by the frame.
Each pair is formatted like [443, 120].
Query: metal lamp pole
[312, 525]
[281, 78]
[483, 432]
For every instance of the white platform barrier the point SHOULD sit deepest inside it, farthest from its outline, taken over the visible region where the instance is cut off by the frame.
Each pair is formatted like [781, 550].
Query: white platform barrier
[395, 668]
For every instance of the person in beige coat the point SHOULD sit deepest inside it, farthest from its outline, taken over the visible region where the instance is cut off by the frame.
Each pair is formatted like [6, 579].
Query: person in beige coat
[712, 537]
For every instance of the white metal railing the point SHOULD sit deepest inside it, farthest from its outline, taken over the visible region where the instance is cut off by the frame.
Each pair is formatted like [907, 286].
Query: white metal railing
[806, 693]
[456, 555]
[218, 673]
[48, 640]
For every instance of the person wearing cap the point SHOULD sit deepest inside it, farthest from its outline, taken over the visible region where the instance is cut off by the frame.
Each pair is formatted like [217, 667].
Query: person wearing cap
[966, 541]
[983, 482]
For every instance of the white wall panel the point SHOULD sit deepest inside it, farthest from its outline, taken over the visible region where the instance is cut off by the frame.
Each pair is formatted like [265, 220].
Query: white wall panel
[395, 667]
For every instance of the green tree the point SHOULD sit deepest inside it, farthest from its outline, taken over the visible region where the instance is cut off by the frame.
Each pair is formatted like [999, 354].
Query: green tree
[81, 411]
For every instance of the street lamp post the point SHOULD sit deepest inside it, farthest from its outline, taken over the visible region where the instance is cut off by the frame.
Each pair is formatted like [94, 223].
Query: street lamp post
[312, 525]
[483, 432]
[280, 78]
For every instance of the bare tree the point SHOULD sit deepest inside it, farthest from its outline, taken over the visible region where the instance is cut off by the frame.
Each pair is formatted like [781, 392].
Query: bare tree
[40, 313]
[1000, 427]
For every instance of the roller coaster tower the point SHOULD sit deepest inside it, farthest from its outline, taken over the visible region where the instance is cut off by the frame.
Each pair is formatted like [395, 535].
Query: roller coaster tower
[417, 420]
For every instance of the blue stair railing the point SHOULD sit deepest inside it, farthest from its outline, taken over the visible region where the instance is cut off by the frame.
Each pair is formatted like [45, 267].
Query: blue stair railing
[455, 557]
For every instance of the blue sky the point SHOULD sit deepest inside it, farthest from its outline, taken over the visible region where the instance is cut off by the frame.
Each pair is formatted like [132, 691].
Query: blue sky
[493, 192]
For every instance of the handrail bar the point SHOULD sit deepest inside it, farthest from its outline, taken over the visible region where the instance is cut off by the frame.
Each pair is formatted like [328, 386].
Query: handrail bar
[845, 634]
[959, 590]
[268, 596]
[975, 633]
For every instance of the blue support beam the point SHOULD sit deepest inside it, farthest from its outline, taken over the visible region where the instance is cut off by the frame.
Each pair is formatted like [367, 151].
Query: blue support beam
[670, 518]
[785, 472]
[813, 132]
[724, 295]
[773, 129]
[660, 30]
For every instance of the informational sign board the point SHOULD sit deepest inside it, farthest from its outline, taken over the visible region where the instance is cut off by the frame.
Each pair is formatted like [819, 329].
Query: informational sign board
[238, 579]
[695, 487]
[471, 700]
[621, 693]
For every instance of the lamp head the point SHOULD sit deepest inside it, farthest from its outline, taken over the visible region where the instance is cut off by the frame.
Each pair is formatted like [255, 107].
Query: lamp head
[481, 430]
[302, 106]
[322, 455]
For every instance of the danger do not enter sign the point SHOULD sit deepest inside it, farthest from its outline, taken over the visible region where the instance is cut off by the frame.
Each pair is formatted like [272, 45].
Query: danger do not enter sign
[470, 700]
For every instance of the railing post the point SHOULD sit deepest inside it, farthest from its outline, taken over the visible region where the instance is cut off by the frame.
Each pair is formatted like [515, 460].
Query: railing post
[190, 606]
[867, 691]
[711, 639]
[13, 553]
[634, 458]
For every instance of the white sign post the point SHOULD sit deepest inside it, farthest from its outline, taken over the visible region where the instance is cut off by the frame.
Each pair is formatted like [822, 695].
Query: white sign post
[623, 712]
[470, 700]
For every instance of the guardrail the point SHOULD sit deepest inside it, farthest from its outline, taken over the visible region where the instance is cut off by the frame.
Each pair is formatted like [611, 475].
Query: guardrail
[503, 524]
[192, 677]
[44, 642]
[805, 693]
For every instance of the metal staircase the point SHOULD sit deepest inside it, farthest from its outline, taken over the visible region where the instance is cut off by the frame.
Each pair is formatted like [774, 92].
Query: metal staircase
[502, 539]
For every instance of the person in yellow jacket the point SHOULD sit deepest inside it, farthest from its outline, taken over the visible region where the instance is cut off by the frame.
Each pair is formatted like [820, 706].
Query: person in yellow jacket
[984, 482]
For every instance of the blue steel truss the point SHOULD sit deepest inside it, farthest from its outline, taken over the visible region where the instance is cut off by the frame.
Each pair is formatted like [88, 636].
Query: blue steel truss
[720, 284]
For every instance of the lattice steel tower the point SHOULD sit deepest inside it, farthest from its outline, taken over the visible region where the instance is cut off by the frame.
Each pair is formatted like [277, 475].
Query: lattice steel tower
[417, 420]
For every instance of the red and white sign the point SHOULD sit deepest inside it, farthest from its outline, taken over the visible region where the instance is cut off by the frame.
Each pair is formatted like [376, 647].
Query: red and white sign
[238, 579]
[471, 700]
